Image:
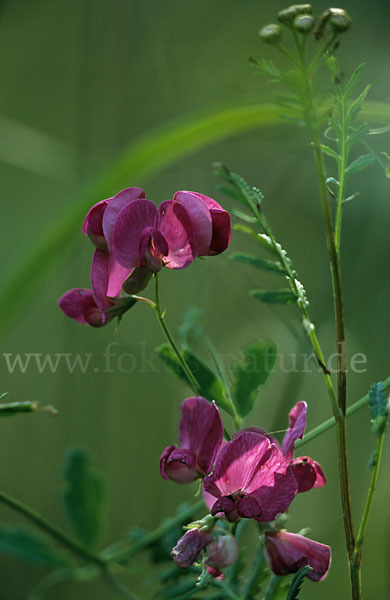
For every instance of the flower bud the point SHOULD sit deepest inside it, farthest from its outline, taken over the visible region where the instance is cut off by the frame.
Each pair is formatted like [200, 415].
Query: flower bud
[222, 552]
[288, 552]
[304, 23]
[271, 34]
[287, 15]
[340, 20]
[188, 547]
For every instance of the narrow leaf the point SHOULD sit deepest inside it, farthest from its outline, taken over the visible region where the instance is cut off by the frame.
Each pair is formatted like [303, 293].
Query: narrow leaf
[84, 496]
[360, 163]
[211, 386]
[23, 543]
[250, 373]
[284, 296]
[356, 105]
[296, 583]
[354, 80]
[330, 152]
[258, 263]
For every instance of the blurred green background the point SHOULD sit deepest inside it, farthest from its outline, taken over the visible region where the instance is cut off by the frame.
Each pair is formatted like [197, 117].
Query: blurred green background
[89, 76]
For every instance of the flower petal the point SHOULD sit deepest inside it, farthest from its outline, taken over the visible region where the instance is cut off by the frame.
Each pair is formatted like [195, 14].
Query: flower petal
[297, 424]
[180, 253]
[80, 304]
[115, 206]
[201, 430]
[221, 230]
[107, 277]
[199, 227]
[308, 473]
[288, 552]
[179, 465]
[130, 225]
[93, 224]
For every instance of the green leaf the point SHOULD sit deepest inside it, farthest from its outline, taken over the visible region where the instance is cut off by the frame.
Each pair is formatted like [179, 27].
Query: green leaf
[360, 163]
[356, 106]
[211, 386]
[284, 296]
[11, 408]
[330, 152]
[243, 216]
[354, 80]
[377, 400]
[23, 543]
[250, 373]
[258, 263]
[84, 496]
[296, 583]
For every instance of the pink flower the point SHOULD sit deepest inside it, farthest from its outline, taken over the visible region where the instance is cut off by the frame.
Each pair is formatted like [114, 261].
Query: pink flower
[200, 436]
[251, 478]
[189, 546]
[288, 552]
[222, 551]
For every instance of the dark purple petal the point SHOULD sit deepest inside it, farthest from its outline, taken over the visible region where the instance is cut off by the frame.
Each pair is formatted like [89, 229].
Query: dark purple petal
[115, 206]
[80, 304]
[288, 552]
[201, 430]
[93, 224]
[221, 230]
[174, 230]
[187, 549]
[223, 505]
[180, 466]
[131, 223]
[200, 230]
[248, 507]
[297, 424]
[216, 573]
[163, 460]
[152, 250]
[222, 552]
[308, 473]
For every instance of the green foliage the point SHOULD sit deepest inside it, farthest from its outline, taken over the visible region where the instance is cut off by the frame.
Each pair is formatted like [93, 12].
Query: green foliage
[23, 543]
[211, 386]
[379, 408]
[84, 497]
[250, 373]
[296, 583]
[284, 296]
[258, 263]
[257, 575]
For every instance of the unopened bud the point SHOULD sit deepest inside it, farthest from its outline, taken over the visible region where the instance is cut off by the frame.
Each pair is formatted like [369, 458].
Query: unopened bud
[287, 15]
[304, 23]
[271, 34]
[222, 552]
[339, 20]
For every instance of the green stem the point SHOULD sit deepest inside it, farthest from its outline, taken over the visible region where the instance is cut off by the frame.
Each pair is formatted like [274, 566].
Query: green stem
[342, 175]
[157, 308]
[228, 592]
[370, 497]
[251, 583]
[339, 411]
[57, 534]
[329, 423]
[125, 553]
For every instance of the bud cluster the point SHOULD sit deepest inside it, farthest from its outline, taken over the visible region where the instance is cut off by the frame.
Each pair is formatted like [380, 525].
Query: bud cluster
[299, 17]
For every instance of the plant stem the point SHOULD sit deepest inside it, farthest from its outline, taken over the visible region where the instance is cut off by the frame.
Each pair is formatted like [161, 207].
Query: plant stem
[125, 553]
[339, 411]
[157, 308]
[329, 423]
[342, 175]
[370, 496]
[228, 592]
[57, 534]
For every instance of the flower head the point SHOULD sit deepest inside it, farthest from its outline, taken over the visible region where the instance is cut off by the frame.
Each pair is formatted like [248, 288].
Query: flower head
[288, 552]
[200, 437]
[189, 546]
[251, 478]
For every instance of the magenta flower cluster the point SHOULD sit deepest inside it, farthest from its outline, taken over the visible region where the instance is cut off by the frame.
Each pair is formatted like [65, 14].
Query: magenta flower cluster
[250, 477]
[134, 239]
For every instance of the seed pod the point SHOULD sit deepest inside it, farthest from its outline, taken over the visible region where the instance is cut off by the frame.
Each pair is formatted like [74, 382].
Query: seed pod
[304, 23]
[287, 15]
[271, 34]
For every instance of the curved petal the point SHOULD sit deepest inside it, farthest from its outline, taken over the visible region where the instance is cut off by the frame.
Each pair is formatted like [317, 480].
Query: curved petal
[180, 466]
[107, 277]
[93, 224]
[308, 473]
[115, 206]
[221, 231]
[129, 228]
[199, 227]
[180, 253]
[80, 304]
[201, 430]
[288, 552]
[296, 429]
[237, 463]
